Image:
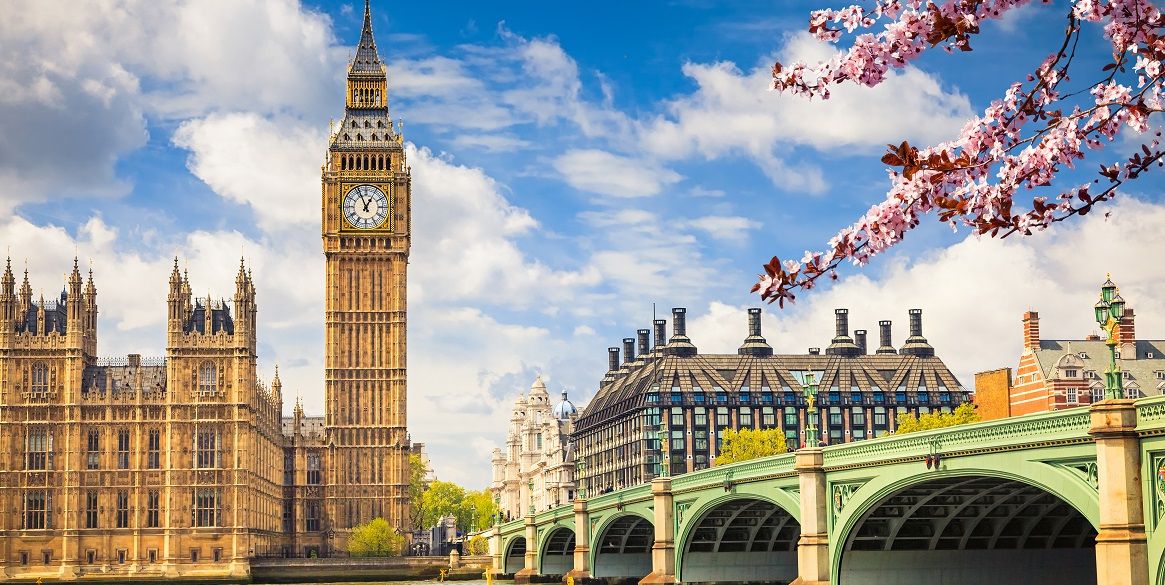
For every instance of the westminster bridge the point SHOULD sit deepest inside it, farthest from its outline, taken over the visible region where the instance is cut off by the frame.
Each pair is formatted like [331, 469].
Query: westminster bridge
[1073, 496]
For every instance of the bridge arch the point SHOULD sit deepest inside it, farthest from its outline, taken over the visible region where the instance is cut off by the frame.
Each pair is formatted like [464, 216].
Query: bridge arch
[514, 555]
[969, 526]
[738, 537]
[556, 551]
[623, 546]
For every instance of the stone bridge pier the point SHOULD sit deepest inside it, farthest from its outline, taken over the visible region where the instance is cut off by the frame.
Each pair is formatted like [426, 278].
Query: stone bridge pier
[1051, 499]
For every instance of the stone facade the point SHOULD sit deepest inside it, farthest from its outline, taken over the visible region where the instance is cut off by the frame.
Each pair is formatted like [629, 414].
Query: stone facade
[147, 467]
[366, 229]
[536, 472]
[859, 395]
[183, 465]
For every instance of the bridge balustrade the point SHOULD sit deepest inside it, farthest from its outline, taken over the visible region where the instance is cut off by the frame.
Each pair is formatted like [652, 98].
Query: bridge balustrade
[1073, 496]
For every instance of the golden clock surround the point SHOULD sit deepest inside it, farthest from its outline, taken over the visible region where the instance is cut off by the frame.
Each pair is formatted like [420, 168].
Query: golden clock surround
[389, 224]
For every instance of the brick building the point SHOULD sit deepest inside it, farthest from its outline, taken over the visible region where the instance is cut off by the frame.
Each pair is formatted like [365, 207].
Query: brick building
[1053, 374]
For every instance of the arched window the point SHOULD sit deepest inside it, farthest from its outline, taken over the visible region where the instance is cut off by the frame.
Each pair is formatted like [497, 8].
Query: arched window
[346, 137]
[359, 137]
[355, 96]
[380, 124]
[40, 378]
[343, 163]
[367, 124]
[207, 378]
[373, 136]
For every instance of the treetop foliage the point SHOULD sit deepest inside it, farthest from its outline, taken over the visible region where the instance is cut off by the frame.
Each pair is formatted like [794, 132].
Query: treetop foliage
[746, 444]
[375, 539]
[961, 415]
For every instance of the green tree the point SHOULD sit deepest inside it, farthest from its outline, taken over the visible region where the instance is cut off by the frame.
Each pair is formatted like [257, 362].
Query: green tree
[961, 415]
[418, 471]
[748, 444]
[375, 539]
[477, 545]
[442, 498]
[480, 510]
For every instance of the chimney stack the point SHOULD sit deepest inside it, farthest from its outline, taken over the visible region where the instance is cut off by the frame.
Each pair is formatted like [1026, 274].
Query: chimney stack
[916, 344]
[815, 351]
[643, 341]
[612, 359]
[1031, 330]
[886, 341]
[660, 332]
[860, 341]
[842, 343]
[628, 350]
[679, 344]
[1127, 335]
[755, 344]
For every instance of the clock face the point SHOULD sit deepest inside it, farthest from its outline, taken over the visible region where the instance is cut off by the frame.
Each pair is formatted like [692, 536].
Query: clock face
[366, 207]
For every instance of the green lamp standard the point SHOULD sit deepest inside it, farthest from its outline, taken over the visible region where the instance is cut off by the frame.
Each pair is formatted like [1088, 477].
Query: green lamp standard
[664, 439]
[1109, 311]
[810, 393]
[497, 515]
[530, 487]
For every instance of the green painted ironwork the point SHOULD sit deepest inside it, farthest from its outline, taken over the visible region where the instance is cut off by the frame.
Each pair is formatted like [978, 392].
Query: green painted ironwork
[1110, 310]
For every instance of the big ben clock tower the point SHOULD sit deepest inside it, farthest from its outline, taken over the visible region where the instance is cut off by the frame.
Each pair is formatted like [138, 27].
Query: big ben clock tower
[366, 225]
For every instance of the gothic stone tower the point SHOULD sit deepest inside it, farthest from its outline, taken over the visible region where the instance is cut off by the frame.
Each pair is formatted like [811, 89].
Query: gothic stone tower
[366, 221]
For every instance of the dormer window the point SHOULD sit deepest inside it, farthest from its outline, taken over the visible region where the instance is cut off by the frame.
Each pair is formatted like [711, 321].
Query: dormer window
[380, 124]
[1083, 355]
[359, 138]
[1070, 373]
[1160, 374]
[367, 124]
[355, 124]
[1149, 355]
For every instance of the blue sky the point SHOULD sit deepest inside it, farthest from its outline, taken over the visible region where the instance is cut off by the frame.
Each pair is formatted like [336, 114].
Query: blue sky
[573, 163]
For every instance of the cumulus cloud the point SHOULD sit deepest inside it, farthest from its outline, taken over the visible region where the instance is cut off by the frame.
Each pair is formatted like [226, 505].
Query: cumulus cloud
[77, 85]
[731, 112]
[272, 166]
[974, 293]
[602, 172]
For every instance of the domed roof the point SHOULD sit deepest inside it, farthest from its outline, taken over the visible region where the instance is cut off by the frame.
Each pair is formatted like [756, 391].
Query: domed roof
[565, 409]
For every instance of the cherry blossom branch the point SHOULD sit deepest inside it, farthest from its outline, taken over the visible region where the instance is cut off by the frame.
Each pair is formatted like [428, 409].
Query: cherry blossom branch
[973, 180]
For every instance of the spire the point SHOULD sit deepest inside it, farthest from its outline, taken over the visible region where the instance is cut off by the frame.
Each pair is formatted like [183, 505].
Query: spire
[9, 281]
[367, 60]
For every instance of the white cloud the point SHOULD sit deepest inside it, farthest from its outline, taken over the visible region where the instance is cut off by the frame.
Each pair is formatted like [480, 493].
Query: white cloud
[732, 112]
[466, 240]
[490, 142]
[974, 293]
[605, 173]
[733, 228]
[77, 84]
[270, 165]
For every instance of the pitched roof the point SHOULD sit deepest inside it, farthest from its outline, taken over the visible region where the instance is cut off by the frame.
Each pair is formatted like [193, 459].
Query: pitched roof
[778, 373]
[1092, 355]
[367, 59]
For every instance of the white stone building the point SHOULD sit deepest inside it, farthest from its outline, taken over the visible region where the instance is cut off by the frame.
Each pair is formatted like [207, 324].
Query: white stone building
[537, 468]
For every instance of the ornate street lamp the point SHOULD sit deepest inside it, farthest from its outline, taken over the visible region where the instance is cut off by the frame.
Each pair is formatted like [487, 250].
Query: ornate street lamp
[1109, 310]
[497, 515]
[809, 391]
[664, 439]
[530, 486]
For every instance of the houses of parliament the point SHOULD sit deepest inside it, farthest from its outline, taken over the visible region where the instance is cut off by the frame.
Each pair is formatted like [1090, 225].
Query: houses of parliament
[184, 466]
